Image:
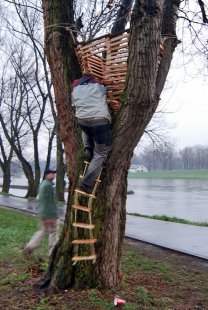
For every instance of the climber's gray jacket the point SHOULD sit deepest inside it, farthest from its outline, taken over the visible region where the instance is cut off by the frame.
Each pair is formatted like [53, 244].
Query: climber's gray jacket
[89, 101]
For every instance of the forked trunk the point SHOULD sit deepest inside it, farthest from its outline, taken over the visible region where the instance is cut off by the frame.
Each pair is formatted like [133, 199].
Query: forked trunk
[145, 80]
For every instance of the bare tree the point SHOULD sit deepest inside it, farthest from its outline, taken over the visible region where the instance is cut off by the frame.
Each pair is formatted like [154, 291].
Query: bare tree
[5, 164]
[37, 109]
[96, 17]
[195, 157]
[14, 114]
[6, 150]
[29, 21]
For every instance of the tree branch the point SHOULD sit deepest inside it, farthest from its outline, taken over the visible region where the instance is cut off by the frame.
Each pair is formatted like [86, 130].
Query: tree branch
[25, 5]
[202, 7]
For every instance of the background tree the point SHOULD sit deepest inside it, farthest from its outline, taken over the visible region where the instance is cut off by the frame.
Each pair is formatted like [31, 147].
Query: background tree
[41, 114]
[6, 150]
[5, 164]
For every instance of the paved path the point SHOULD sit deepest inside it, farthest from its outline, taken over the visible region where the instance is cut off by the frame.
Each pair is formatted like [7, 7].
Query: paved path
[184, 238]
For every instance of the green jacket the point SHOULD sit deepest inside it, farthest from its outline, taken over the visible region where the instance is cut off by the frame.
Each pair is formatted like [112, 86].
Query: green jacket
[47, 202]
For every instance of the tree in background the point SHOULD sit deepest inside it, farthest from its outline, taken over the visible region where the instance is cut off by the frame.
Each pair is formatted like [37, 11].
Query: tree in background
[37, 109]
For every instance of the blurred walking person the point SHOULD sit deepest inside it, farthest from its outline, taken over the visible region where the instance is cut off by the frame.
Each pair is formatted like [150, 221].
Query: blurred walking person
[48, 215]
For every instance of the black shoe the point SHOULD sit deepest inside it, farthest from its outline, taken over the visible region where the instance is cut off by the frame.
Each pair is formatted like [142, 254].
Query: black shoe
[84, 188]
[87, 157]
[88, 154]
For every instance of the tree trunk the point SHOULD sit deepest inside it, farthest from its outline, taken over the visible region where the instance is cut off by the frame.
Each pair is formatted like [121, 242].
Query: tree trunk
[5, 165]
[6, 178]
[145, 82]
[61, 168]
[32, 190]
[36, 164]
[122, 17]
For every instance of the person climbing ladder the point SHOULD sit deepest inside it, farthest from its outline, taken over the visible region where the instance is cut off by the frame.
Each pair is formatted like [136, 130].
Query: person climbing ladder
[89, 99]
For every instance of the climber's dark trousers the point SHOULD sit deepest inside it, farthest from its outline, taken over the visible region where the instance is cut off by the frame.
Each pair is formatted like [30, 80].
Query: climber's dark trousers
[96, 138]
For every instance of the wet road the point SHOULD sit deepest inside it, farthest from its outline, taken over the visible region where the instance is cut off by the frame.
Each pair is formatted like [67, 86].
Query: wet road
[183, 238]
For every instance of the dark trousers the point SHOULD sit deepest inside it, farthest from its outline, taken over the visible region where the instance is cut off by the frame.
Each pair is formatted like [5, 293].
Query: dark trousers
[96, 137]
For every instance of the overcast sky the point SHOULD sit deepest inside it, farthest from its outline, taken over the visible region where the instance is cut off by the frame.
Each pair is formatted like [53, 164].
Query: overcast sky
[189, 104]
[187, 100]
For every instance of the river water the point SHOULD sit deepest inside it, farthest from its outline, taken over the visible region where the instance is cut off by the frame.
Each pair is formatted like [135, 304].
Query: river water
[187, 199]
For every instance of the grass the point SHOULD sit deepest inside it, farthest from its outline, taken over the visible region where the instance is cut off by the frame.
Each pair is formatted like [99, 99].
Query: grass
[170, 219]
[171, 174]
[148, 281]
[15, 230]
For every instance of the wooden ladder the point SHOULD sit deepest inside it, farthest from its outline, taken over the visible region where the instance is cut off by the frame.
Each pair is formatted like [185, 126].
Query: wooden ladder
[88, 226]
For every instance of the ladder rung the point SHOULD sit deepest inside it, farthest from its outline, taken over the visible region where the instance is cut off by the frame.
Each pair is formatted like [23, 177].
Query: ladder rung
[84, 194]
[98, 180]
[77, 258]
[84, 241]
[83, 225]
[86, 162]
[82, 208]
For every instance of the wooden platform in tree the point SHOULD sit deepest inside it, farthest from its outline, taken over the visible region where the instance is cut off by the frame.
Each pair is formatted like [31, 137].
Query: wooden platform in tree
[106, 59]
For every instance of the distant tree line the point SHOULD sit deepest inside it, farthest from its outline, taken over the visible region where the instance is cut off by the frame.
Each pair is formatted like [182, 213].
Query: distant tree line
[166, 157]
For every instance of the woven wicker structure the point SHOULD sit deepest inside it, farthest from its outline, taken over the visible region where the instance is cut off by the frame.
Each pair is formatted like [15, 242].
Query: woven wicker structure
[106, 58]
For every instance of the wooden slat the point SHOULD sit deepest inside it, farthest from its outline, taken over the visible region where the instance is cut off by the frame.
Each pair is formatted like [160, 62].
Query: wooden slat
[84, 241]
[113, 69]
[111, 74]
[118, 55]
[118, 45]
[98, 180]
[114, 63]
[96, 45]
[123, 59]
[125, 35]
[86, 162]
[99, 71]
[83, 208]
[95, 59]
[91, 50]
[79, 258]
[84, 194]
[96, 64]
[84, 225]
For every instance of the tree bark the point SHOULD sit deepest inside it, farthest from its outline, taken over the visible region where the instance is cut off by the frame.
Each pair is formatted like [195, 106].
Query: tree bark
[144, 83]
[61, 168]
[64, 66]
[6, 176]
[122, 17]
[5, 165]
